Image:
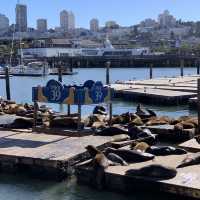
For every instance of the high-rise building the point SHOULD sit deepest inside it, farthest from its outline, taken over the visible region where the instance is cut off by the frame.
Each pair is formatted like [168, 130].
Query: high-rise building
[94, 25]
[166, 20]
[64, 20]
[21, 17]
[42, 25]
[4, 22]
[71, 21]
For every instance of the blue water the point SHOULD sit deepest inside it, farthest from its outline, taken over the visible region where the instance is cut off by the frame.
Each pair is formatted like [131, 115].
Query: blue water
[22, 188]
[21, 87]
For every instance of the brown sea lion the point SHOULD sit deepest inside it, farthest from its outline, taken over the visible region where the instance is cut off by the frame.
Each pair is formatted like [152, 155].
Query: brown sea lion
[141, 146]
[99, 163]
[192, 159]
[153, 171]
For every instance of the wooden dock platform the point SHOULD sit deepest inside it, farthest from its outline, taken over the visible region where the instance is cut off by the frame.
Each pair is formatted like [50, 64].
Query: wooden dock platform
[191, 146]
[45, 156]
[167, 91]
[186, 183]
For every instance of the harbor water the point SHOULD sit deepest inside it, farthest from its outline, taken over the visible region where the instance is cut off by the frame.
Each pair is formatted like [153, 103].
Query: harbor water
[21, 188]
[21, 87]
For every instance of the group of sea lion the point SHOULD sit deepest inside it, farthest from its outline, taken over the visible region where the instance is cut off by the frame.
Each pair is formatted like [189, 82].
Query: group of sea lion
[113, 157]
[24, 113]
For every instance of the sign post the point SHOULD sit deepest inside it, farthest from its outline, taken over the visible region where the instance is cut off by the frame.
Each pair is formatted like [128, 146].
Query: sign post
[90, 93]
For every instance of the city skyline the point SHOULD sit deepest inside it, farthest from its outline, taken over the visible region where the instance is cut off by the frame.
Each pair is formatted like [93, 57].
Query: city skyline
[125, 14]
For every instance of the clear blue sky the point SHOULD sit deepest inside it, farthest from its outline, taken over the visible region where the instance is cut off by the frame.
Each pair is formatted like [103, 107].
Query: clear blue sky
[125, 12]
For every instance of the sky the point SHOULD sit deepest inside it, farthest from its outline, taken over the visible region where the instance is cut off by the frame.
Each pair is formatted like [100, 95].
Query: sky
[124, 12]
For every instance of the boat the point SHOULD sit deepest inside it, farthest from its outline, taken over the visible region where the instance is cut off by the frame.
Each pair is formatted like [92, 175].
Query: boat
[31, 69]
[65, 71]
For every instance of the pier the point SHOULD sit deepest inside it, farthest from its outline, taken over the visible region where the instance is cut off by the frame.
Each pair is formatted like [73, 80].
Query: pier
[186, 183]
[42, 155]
[162, 91]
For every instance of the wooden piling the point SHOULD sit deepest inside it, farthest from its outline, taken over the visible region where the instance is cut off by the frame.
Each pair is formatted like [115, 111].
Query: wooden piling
[68, 109]
[182, 67]
[79, 117]
[108, 72]
[151, 71]
[197, 66]
[7, 78]
[60, 74]
[35, 114]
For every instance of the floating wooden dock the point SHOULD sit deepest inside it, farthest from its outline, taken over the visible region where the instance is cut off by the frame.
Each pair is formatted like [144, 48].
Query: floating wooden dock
[45, 156]
[191, 146]
[166, 91]
[186, 183]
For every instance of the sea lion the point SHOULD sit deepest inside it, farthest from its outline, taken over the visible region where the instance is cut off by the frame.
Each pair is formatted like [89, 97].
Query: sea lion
[130, 156]
[144, 113]
[116, 159]
[197, 138]
[113, 130]
[153, 171]
[165, 150]
[99, 163]
[100, 110]
[141, 146]
[192, 159]
[119, 138]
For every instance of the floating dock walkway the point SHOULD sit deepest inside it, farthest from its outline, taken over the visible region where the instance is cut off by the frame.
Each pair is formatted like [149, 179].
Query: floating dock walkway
[186, 183]
[44, 156]
[163, 91]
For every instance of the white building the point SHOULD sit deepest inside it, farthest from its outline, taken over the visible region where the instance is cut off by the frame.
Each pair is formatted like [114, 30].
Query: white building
[94, 25]
[42, 25]
[4, 22]
[21, 17]
[166, 20]
[71, 21]
[64, 20]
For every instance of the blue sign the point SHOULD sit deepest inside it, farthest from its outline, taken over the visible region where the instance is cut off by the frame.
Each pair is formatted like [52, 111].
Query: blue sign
[90, 93]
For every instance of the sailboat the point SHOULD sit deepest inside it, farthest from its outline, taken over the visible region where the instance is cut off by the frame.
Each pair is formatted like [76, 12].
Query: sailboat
[38, 68]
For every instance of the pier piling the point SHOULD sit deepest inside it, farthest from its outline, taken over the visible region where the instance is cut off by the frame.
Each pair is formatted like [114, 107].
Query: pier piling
[182, 67]
[108, 72]
[151, 71]
[60, 74]
[7, 78]
[197, 66]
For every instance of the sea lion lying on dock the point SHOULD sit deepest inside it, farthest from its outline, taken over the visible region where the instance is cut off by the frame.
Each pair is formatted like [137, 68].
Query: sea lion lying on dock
[192, 159]
[130, 156]
[116, 159]
[113, 130]
[153, 171]
[137, 132]
[165, 150]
